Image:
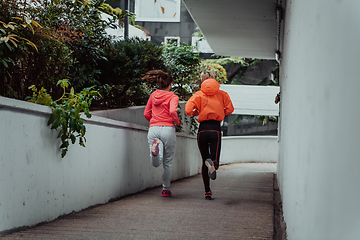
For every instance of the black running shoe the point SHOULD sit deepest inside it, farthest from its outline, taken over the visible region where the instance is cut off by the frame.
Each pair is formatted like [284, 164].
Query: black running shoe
[208, 195]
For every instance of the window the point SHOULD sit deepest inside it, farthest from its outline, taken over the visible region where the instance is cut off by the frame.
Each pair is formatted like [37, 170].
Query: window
[249, 125]
[172, 40]
[158, 10]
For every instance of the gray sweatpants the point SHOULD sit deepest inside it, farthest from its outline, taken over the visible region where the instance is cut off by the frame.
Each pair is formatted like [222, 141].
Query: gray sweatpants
[167, 137]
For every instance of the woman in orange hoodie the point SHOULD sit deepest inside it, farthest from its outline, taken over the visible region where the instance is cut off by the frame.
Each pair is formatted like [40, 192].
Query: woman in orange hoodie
[211, 105]
[161, 112]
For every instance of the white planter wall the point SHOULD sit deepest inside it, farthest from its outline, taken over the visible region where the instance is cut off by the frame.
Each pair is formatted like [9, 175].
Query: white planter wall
[319, 164]
[136, 115]
[37, 185]
[234, 148]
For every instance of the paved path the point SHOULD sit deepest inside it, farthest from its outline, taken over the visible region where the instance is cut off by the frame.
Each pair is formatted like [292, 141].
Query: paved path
[243, 208]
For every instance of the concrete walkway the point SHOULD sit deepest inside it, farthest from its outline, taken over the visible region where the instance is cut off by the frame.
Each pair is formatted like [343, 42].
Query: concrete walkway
[243, 208]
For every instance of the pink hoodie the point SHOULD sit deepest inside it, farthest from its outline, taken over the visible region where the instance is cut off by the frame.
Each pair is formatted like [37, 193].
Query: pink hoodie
[161, 109]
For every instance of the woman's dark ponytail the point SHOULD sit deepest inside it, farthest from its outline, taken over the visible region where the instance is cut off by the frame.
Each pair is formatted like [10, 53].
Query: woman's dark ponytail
[159, 77]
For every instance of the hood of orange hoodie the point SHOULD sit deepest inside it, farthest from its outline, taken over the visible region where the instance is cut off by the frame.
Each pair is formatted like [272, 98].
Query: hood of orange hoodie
[160, 96]
[210, 86]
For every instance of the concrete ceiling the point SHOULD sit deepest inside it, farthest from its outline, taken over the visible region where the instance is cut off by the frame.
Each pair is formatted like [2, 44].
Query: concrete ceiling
[241, 28]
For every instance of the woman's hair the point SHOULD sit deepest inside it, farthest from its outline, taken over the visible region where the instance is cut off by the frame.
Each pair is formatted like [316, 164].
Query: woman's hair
[159, 77]
[207, 74]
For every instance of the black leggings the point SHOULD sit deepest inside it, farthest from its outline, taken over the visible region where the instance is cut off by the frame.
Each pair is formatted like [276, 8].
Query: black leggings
[209, 142]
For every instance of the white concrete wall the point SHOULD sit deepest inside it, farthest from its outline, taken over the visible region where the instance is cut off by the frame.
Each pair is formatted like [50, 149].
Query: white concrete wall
[233, 149]
[319, 164]
[249, 149]
[130, 114]
[253, 100]
[136, 115]
[37, 185]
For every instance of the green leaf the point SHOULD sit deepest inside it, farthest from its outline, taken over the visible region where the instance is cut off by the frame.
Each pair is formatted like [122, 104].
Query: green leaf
[51, 119]
[64, 83]
[65, 144]
[33, 88]
[56, 123]
[94, 93]
[63, 152]
[77, 111]
[84, 104]
[64, 114]
[73, 139]
[64, 136]
[58, 110]
[4, 63]
[60, 133]
[72, 123]
[53, 105]
[82, 130]
[81, 142]
[87, 113]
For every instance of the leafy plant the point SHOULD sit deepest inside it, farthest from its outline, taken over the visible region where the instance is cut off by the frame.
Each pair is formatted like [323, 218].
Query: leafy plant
[16, 32]
[40, 96]
[121, 67]
[84, 28]
[67, 45]
[13, 32]
[66, 115]
[224, 61]
[182, 62]
[266, 119]
[119, 13]
[220, 71]
[234, 66]
[188, 120]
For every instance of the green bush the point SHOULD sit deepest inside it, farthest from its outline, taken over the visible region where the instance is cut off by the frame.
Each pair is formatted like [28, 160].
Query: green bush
[65, 41]
[121, 67]
[17, 37]
[183, 63]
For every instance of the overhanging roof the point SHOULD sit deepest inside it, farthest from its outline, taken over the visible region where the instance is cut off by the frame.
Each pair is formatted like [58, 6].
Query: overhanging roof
[241, 28]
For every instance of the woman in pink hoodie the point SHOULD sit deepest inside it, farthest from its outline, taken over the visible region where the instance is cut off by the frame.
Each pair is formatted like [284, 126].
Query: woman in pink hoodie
[161, 112]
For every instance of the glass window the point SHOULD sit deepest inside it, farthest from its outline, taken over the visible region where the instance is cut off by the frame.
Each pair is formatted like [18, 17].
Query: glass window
[249, 125]
[172, 40]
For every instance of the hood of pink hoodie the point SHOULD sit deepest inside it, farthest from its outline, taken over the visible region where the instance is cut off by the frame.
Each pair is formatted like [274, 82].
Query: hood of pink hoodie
[161, 96]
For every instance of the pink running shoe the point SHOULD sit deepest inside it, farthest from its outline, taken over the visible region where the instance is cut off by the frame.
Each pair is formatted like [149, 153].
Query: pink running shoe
[166, 193]
[155, 147]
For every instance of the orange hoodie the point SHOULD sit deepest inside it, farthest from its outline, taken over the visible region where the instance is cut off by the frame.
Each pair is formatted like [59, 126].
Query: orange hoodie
[211, 102]
[161, 109]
